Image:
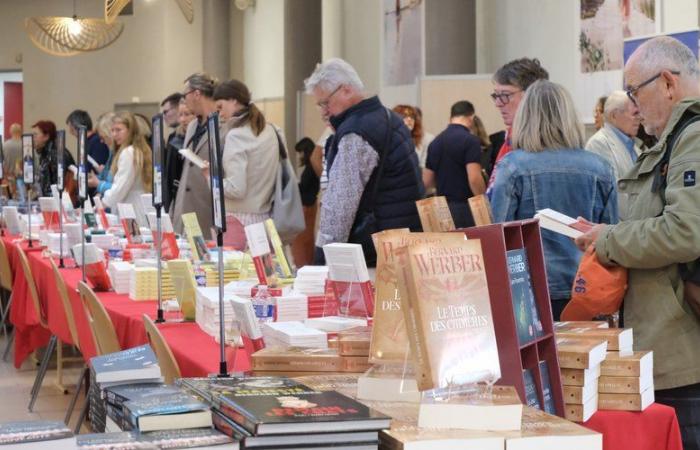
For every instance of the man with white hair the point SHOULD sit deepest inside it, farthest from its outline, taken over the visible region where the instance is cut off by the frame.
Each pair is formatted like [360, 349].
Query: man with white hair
[373, 173]
[659, 242]
[615, 141]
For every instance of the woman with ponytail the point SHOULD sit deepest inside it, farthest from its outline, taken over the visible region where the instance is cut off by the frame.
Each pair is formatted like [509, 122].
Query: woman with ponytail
[250, 157]
[131, 165]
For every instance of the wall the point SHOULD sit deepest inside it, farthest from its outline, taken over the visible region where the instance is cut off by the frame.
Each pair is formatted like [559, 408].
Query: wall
[450, 38]
[263, 48]
[7, 76]
[151, 58]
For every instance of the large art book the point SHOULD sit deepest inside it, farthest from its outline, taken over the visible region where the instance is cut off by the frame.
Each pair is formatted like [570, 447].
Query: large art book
[448, 315]
[312, 412]
[389, 342]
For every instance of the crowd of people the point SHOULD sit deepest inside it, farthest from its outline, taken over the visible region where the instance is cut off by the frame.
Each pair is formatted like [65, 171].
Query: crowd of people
[373, 163]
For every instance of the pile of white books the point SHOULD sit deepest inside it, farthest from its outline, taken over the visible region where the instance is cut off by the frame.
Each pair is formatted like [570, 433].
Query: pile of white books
[207, 310]
[294, 334]
[311, 280]
[334, 324]
[120, 274]
[103, 241]
[54, 244]
[73, 233]
[291, 307]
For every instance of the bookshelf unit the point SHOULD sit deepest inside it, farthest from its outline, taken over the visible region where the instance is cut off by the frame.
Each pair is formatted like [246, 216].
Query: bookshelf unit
[496, 240]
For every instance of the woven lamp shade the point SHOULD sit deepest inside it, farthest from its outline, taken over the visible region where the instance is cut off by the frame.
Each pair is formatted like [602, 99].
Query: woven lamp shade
[56, 36]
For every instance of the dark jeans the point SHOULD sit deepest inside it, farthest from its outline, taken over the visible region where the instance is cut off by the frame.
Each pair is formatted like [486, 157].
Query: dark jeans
[686, 401]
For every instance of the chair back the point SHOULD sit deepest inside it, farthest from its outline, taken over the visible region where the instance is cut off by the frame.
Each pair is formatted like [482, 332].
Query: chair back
[65, 300]
[102, 327]
[31, 287]
[166, 360]
[5, 272]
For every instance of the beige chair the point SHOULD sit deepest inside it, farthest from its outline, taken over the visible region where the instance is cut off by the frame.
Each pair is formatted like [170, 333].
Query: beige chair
[41, 318]
[5, 291]
[105, 335]
[166, 360]
[70, 318]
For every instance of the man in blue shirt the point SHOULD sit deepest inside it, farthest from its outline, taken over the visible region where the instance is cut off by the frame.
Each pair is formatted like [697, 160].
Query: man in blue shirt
[453, 164]
[615, 141]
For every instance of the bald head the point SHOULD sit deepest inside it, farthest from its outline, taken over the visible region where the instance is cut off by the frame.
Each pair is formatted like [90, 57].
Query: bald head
[658, 75]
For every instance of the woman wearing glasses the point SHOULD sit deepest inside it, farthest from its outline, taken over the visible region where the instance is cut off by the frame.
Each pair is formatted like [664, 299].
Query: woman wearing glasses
[549, 168]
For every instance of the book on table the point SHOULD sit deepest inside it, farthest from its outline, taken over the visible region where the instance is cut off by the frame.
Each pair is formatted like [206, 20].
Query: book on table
[481, 210]
[214, 389]
[167, 412]
[567, 325]
[349, 279]
[435, 215]
[531, 398]
[581, 412]
[547, 395]
[195, 238]
[626, 402]
[619, 339]
[561, 223]
[33, 431]
[634, 365]
[185, 438]
[118, 395]
[542, 431]
[409, 436]
[126, 366]
[580, 377]
[259, 247]
[580, 353]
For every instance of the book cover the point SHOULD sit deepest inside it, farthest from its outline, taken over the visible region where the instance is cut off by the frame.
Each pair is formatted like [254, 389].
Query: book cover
[214, 390]
[389, 343]
[286, 271]
[135, 363]
[544, 431]
[448, 315]
[127, 215]
[481, 210]
[195, 237]
[182, 276]
[435, 215]
[33, 431]
[100, 441]
[547, 395]
[312, 412]
[524, 308]
[634, 365]
[148, 413]
[531, 397]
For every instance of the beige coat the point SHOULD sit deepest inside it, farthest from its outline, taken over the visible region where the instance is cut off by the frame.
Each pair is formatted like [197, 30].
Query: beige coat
[606, 143]
[194, 194]
[651, 243]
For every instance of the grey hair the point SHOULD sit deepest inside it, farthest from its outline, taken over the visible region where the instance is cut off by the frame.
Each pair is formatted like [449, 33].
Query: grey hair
[104, 127]
[667, 53]
[332, 74]
[546, 119]
[617, 101]
[203, 83]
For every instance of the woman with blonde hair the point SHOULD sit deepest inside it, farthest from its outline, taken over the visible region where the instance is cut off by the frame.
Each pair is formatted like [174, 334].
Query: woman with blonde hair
[131, 165]
[550, 168]
[103, 180]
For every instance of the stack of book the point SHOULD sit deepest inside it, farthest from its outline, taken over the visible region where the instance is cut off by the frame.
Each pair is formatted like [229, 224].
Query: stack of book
[116, 396]
[334, 324]
[626, 381]
[276, 412]
[120, 274]
[349, 279]
[326, 304]
[311, 280]
[143, 284]
[579, 360]
[294, 334]
[103, 241]
[291, 307]
[207, 310]
[210, 273]
[306, 361]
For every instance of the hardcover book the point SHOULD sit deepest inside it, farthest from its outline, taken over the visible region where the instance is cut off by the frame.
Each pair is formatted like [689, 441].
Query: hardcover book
[634, 365]
[561, 223]
[127, 215]
[186, 438]
[577, 412]
[435, 215]
[167, 412]
[579, 394]
[531, 398]
[625, 385]
[448, 315]
[33, 431]
[118, 395]
[627, 402]
[619, 339]
[313, 412]
[138, 363]
[285, 270]
[213, 389]
[547, 395]
[169, 249]
[567, 325]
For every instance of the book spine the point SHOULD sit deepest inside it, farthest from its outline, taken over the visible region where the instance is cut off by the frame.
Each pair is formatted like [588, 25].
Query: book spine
[355, 364]
[240, 416]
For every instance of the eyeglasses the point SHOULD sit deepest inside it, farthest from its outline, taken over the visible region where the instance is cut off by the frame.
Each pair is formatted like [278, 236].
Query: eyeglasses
[323, 104]
[188, 92]
[631, 91]
[503, 97]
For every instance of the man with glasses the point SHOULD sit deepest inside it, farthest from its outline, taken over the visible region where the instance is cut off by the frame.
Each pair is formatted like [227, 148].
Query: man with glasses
[372, 166]
[659, 242]
[173, 160]
[509, 85]
[615, 141]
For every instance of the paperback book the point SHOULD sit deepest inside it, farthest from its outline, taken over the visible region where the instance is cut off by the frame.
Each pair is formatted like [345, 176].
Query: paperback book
[435, 215]
[126, 366]
[167, 412]
[32, 431]
[527, 318]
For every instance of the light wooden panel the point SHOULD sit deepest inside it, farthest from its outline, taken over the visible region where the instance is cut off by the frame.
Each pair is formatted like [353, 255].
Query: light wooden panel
[438, 94]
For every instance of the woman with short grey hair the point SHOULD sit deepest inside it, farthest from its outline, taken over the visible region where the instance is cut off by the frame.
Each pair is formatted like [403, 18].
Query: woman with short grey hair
[549, 168]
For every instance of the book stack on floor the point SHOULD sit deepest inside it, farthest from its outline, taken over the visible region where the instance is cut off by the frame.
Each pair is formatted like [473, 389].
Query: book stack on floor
[135, 365]
[626, 377]
[207, 310]
[120, 274]
[277, 412]
[579, 360]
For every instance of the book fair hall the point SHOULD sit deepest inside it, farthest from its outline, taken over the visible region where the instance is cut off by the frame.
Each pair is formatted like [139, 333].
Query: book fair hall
[350, 224]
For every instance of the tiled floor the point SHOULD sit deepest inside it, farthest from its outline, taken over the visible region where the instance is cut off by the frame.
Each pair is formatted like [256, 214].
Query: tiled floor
[51, 404]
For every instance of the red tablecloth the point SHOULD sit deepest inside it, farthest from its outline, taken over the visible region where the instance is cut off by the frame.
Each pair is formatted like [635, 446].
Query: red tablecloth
[656, 428]
[196, 352]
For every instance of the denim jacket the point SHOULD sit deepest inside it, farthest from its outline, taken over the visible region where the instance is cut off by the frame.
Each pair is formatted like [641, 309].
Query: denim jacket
[574, 182]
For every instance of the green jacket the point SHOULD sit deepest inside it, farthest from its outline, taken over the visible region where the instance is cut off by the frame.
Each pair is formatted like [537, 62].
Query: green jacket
[654, 239]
